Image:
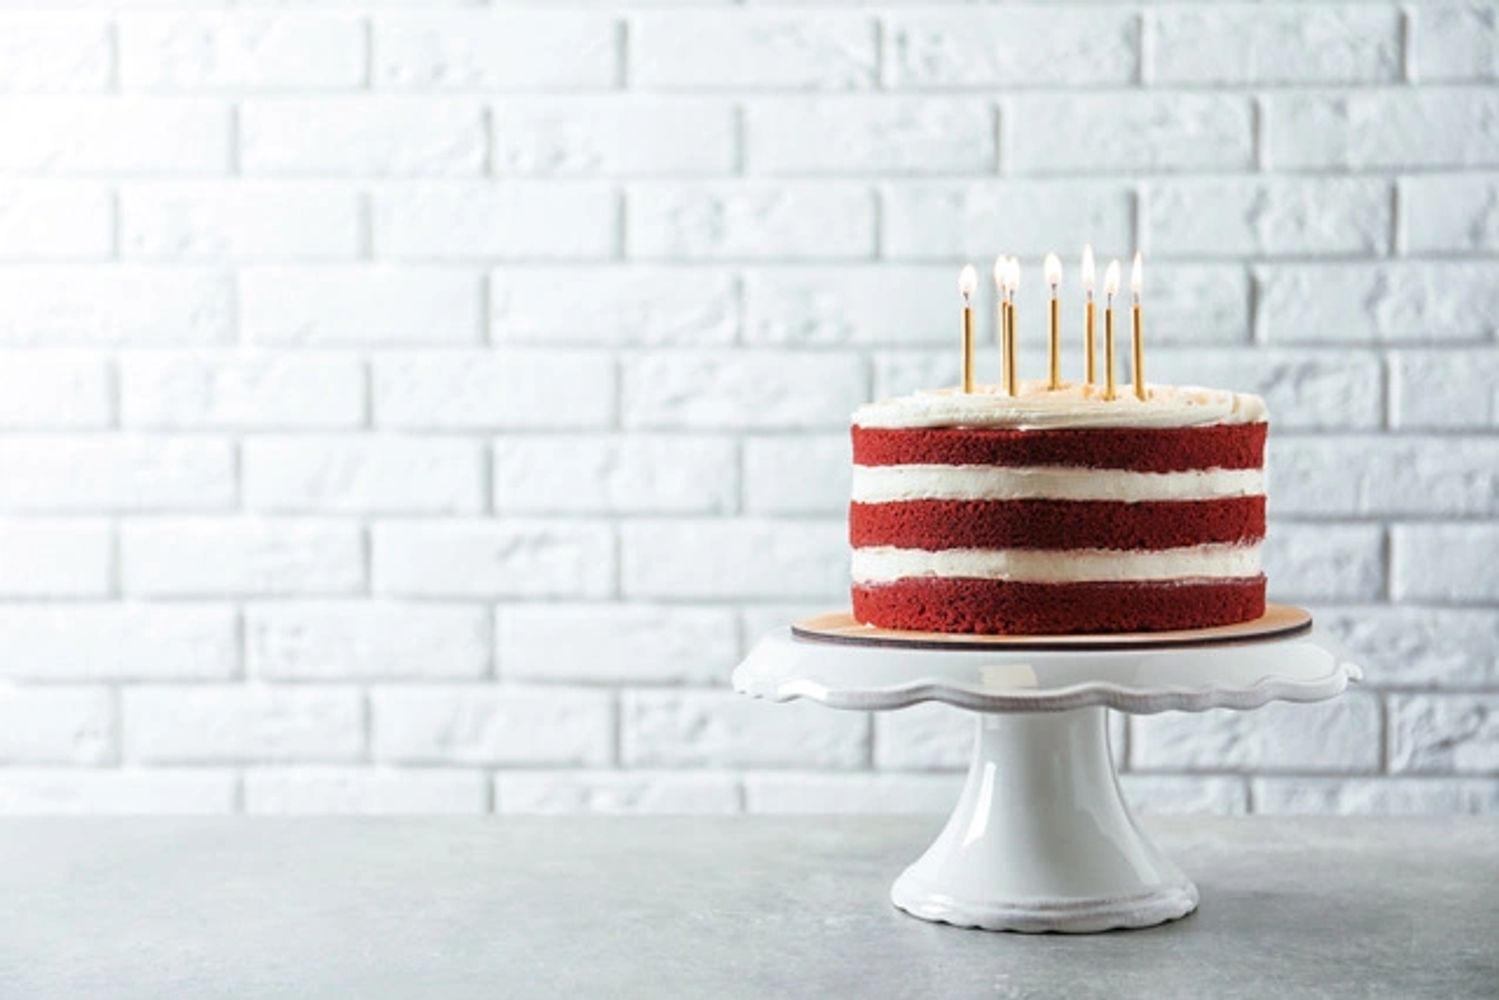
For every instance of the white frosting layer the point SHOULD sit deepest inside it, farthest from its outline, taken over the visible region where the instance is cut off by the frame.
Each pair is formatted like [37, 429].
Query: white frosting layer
[885, 564]
[1036, 407]
[890, 483]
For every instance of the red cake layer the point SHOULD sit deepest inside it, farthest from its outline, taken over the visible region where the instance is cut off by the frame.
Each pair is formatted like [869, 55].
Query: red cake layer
[1055, 524]
[1140, 449]
[1003, 607]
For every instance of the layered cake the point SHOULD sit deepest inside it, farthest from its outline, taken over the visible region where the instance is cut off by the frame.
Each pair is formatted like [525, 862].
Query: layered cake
[1057, 512]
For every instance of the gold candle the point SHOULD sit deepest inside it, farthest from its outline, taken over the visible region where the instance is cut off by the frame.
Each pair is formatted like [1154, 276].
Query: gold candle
[1090, 364]
[967, 281]
[1012, 368]
[1137, 331]
[1110, 289]
[1054, 279]
[1001, 315]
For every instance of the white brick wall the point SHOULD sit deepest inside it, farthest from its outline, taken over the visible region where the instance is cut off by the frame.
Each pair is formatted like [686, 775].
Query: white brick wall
[421, 410]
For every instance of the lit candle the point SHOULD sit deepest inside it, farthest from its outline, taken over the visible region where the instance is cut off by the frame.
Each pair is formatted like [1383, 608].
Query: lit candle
[967, 282]
[1137, 332]
[1110, 289]
[1012, 368]
[1001, 279]
[1054, 279]
[1090, 365]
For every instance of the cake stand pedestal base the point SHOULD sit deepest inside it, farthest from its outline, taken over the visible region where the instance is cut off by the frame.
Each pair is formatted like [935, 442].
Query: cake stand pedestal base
[1041, 838]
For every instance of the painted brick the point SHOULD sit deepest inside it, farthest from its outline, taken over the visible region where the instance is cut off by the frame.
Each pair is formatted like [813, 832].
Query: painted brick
[511, 558]
[759, 390]
[115, 305]
[1176, 795]
[616, 474]
[753, 220]
[350, 791]
[338, 640]
[624, 306]
[1419, 647]
[1369, 475]
[1097, 133]
[56, 725]
[56, 791]
[1445, 389]
[54, 391]
[1450, 212]
[54, 220]
[923, 738]
[721, 728]
[1374, 797]
[1325, 562]
[1443, 734]
[203, 724]
[1255, 44]
[193, 557]
[1446, 562]
[109, 472]
[362, 136]
[811, 793]
[1192, 305]
[499, 390]
[55, 559]
[517, 220]
[1304, 390]
[361, 305]
[460, 724]
[1375, 129]
[1236, 216]
[744, 558]
[376, 474]
[797, 475]
[615, 792]
[54, 52]
[613, 135]
[864, 304]
[479, 49]
[870, 135]
[202, 391]
[806, 50]
[118, 642]
[1454, 42]
[84, 135]
[260, 50]
[1342, 735]
[1364, 303]
[1068, 46]
[611, 644]
[244, 220]
[977, 219]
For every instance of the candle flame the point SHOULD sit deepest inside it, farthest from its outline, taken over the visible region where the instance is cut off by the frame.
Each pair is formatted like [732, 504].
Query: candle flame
[1001, 272]
[1089, 274]
[967, 282]
[1136, 276]
[1053, 271]
[1014, 274]
[1111, 279]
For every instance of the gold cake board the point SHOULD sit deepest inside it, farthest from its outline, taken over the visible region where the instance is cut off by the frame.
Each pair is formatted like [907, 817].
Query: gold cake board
[1278, 621]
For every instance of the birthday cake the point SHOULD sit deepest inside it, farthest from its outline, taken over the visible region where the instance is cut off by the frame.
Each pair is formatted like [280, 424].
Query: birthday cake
[1057, 511]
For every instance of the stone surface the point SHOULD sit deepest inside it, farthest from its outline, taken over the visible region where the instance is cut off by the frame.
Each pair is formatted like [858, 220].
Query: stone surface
[652, 907]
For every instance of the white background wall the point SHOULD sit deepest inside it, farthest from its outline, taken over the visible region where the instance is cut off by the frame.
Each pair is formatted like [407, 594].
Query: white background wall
[421, 409]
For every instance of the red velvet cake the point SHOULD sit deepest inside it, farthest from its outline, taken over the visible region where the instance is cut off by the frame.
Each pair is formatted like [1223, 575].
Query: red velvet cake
[1057, 512]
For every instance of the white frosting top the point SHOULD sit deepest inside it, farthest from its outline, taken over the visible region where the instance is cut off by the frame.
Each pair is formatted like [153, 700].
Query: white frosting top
[1073, 405]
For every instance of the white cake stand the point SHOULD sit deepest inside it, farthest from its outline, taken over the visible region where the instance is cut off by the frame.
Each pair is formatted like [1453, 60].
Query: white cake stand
[1041, 838]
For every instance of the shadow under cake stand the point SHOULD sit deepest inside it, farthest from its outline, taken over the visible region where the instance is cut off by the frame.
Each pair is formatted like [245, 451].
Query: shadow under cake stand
[1041, 838]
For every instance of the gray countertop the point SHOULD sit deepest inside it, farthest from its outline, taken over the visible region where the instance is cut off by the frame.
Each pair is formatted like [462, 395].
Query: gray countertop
[444, 908]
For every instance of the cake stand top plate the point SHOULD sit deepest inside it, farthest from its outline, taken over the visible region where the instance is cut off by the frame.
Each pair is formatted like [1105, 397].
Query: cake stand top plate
[1243, 672]
[840, 626]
